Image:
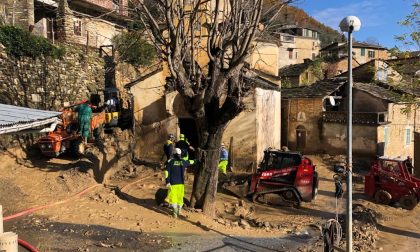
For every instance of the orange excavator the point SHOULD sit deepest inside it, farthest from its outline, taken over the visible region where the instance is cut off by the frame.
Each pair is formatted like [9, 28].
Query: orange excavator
[66, 137]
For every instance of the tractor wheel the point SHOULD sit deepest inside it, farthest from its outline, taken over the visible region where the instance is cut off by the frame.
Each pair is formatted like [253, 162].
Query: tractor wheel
[383, 197]
[408, 202]
[77, 148]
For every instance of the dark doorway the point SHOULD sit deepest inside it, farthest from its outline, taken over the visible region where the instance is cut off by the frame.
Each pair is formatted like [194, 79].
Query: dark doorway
[417, 154]
[285, 123]
[300, 137]
[187, 127]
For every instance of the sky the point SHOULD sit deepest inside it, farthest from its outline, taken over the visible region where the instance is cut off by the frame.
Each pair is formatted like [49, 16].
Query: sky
[379, 17]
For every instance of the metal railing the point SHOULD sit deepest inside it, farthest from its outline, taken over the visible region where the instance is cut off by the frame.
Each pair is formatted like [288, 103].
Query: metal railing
[368, 118]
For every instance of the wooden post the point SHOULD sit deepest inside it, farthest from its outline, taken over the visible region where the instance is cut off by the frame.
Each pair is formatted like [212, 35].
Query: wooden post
[87, 41]
[231, 159]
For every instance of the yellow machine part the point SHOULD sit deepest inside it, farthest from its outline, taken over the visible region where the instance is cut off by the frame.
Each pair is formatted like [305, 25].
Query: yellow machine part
[111, 116]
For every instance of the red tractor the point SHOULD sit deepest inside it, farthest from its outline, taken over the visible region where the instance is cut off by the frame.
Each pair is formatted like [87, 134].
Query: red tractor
[391, 180]
[286, 174]
[65, 136]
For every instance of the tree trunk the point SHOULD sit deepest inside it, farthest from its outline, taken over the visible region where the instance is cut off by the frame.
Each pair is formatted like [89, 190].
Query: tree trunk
[206, 176]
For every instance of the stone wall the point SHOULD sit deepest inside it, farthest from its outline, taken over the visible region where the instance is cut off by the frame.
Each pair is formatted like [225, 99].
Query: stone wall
[50, 83]
[364, 139]
[305, 113]
[19, 13]
[84, 30]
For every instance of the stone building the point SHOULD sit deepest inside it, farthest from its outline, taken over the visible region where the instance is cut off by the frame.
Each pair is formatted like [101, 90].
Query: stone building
[304, 73]
[382, 123]
[296, 45]
[87, 22]
[159, 113]
[362, 52]
[338, 66]
[375, 70]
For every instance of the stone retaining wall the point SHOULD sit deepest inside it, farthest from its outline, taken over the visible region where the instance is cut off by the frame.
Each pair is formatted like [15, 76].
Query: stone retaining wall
[50, 83]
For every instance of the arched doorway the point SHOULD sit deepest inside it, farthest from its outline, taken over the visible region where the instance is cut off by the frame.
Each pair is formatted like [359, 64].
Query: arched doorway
[300, 137]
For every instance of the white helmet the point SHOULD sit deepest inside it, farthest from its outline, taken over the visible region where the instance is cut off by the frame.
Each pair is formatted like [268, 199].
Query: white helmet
[178, 151]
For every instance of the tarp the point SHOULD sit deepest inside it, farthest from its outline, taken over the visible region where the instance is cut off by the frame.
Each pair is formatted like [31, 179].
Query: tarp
[15, 119]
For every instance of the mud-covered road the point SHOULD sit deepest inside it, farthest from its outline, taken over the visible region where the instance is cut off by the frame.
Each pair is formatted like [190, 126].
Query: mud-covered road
[105, 219]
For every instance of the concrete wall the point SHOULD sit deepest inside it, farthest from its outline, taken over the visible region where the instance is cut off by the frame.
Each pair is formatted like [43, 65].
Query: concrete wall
[243, 129]
[149, 102]
[379, 54]
[302, 47]
[268, 118]
[264, 57]
[396, 144]
[306, 47]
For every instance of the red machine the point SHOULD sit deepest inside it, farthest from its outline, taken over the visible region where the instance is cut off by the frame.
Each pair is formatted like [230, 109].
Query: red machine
[65, 136]
[286, 174]
[391, 180]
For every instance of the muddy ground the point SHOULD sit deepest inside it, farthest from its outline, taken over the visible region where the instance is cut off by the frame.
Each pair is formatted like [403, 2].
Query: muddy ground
[112, 217]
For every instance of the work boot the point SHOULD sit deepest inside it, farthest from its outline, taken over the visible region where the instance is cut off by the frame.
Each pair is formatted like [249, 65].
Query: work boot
[175, 212]
[179, 210]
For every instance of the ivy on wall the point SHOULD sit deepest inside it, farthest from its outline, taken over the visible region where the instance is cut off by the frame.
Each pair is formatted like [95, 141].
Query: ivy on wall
[20, 43]
[134, 49]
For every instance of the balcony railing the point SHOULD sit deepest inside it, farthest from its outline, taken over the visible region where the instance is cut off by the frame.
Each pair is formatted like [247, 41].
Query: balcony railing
[367, 118]
[111, 5]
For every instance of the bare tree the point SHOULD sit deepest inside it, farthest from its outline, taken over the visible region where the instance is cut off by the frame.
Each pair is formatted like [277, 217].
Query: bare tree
[224, 31]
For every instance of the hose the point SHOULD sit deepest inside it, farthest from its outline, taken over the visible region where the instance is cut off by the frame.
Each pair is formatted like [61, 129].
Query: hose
[134, 182]
[27, 246]
[34, 209]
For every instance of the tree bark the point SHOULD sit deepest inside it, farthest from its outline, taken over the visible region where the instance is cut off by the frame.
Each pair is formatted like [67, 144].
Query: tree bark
[206, 176]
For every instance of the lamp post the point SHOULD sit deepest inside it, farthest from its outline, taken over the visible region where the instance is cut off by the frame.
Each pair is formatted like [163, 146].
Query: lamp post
[350, 24]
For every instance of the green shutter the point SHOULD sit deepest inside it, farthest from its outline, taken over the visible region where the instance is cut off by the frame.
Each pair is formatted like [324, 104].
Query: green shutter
[407, 136]
[362, 52]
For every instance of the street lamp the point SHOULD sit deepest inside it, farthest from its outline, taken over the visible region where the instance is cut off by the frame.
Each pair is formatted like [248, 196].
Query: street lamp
[350, 24]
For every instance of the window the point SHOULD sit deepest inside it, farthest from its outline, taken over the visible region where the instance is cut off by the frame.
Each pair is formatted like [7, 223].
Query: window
[296, 55]
[290, 53]
[77, 27]
[371, 54]
[362, 51]
[386, 136]
[313, 56]
[407, 136]
[116, 5]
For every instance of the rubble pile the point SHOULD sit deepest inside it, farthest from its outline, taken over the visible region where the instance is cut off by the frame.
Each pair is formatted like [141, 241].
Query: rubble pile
[107, 196]
[364, 229]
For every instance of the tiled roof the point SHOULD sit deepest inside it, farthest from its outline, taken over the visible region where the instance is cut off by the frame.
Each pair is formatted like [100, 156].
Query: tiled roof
[378, 91]
[294, 70]
[318, 89]
[327, 87]
[260, 82]
[14, 119]
[336, 45]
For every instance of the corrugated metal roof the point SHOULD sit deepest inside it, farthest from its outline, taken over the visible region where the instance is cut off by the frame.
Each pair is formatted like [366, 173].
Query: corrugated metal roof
[14, 118]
